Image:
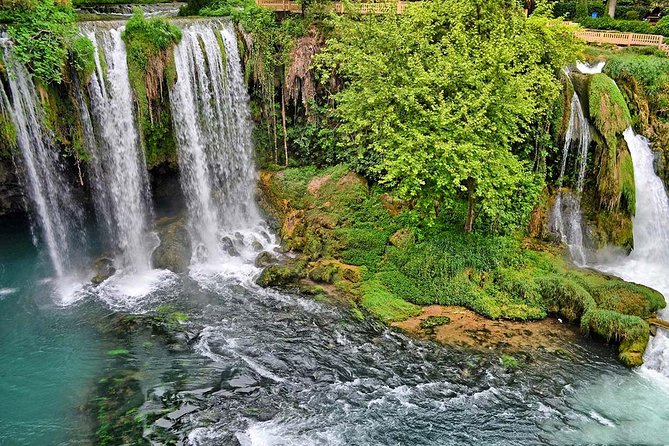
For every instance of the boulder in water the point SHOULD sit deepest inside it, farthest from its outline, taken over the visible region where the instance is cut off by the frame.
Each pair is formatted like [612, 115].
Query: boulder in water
[264, 259]
[277, 275]
[229, 247]
[175, 250]
[104, 269]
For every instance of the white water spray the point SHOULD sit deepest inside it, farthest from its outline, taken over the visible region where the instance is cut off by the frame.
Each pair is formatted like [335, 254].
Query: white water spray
[213, 128]
[118, 166]
[648, 263]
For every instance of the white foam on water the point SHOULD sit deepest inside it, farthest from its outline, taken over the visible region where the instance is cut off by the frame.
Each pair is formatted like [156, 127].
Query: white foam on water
[587, 68]
[7, 291]
[136, 292]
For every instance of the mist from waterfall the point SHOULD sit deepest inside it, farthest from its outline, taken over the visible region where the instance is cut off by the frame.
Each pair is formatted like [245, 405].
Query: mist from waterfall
[58, 215]
[210, 110]
[118, 168]
[566, 218]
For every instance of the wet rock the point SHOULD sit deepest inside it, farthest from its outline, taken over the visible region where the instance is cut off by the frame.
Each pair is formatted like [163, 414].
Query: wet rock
[229, 247]
[242, 381]
[257, 246]
[175, 250]
[183, 410]
[103, 269]
[277, 275]
[164, 423]
[264, 259]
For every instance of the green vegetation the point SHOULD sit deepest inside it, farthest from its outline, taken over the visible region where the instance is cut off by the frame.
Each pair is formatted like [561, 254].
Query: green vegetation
[509, 362]
[464, 97]
[43, 32]
[434, 321]
[331, 216]
[82, 54]
[150, 44]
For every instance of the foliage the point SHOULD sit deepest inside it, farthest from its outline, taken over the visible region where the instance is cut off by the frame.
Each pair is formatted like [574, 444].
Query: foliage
[149, 46]
[651, 71]
[469, 79]
[627, 26]
[82, 54]
[42, 33]
[333, 219]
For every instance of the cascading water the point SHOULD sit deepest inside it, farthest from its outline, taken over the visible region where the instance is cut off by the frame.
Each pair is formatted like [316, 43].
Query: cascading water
[213, 128]
[648, 263]
[566, 218]
[59, 217]
[118, 167]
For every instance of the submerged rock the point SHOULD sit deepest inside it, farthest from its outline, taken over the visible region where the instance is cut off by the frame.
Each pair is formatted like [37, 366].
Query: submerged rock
[175, 250]
[103, 269]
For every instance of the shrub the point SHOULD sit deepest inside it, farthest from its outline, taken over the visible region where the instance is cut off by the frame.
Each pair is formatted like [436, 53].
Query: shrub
[82, 54]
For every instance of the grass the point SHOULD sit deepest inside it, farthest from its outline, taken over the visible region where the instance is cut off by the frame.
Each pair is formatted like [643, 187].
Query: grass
[496, 276]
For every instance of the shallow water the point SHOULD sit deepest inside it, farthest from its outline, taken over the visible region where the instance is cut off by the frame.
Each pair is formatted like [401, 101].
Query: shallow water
[271, 368]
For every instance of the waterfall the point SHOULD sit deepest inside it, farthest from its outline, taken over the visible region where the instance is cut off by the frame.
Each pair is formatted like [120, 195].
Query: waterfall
[566, 218]
[648, 262]
[58, 216]
[118, 167]
[212, 124]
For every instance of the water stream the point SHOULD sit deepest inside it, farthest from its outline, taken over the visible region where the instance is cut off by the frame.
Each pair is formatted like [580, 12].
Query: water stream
[118, 167]
[58, 217]
[648, 262]
[262, 367]
[566, 217]
[213, 128]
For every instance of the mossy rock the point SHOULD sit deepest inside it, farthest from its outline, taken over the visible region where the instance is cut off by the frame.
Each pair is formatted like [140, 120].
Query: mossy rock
[434, 321]
[403, 238]
[330, 271]
[175, 249]
[279, 275]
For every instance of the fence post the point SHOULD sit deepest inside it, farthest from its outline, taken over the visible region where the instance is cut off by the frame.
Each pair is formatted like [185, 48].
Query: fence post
[629, 39]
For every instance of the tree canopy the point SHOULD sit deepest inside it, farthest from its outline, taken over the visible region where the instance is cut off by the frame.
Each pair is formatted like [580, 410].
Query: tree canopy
[438, 102]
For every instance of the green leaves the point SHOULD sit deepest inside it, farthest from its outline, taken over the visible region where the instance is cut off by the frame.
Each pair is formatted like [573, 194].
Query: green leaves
[42, 34]
[447, 92]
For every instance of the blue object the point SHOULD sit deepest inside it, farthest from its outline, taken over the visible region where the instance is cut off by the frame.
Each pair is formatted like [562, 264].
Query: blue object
[595, 15]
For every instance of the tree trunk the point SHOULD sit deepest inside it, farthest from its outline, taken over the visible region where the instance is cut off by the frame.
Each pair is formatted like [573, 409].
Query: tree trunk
[612, 8]
[469, 224]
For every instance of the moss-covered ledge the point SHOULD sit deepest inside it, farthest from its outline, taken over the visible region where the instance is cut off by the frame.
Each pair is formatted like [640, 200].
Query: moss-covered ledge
[358, 242]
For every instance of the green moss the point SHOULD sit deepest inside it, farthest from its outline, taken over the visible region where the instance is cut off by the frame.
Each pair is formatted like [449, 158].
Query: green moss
[82, 57]
[434, 321]
[149, 45]
[384, 305]
[628, 192]
[8, 143]
[335, 218]
[509, 362]
[118, 352]
[631, 332]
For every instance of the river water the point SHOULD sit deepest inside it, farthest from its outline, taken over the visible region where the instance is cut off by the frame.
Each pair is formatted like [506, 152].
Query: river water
[272, 368]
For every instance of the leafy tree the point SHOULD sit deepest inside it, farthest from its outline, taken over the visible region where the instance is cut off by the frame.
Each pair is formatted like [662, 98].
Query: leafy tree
[42, 32]
[437, 102]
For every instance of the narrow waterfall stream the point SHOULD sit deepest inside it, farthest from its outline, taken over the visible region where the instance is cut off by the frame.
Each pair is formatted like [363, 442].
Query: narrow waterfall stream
[566, 218]
[58, 216]
[119, 169]
[213, 128]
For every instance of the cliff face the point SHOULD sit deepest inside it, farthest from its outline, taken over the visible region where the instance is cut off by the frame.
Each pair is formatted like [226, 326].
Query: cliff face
[11, 193]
